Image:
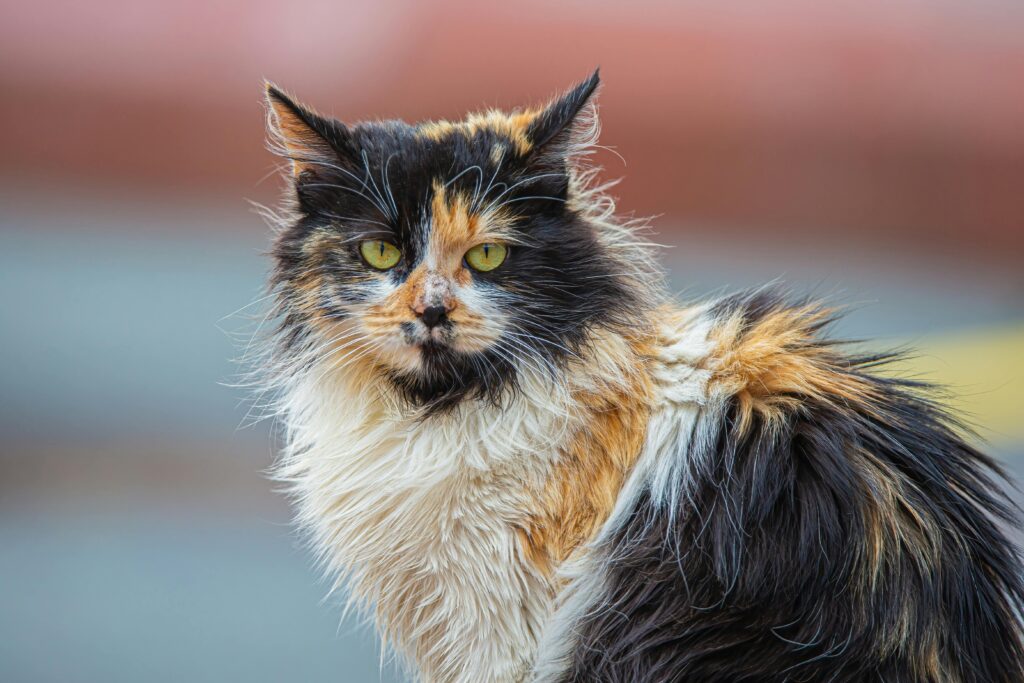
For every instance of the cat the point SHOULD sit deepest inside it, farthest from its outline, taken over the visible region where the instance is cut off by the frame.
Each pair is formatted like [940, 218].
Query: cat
[527, 463]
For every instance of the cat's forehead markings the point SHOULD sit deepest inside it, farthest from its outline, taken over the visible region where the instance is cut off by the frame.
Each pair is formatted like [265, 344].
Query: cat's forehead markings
[453, 223]
[457, 223]
[513, 126]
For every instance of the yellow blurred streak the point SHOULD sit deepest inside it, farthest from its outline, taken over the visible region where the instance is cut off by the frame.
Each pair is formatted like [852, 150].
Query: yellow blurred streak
[983, 370]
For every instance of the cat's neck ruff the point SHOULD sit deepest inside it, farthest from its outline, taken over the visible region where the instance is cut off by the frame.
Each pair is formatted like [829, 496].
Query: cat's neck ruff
[423, 517]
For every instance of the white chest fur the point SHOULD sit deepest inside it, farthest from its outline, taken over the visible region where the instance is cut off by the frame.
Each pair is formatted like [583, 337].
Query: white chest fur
[419, 518]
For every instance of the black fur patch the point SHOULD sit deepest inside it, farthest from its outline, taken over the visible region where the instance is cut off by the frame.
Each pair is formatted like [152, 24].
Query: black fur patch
[768, 574]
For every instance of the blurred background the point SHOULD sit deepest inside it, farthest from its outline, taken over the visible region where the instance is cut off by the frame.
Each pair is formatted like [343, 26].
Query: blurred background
[871, 151]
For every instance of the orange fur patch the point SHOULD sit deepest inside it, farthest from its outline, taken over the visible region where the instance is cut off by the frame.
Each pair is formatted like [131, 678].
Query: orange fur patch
[456, 227]
[513, 126]
[382, 317]
[778, 360]
[585, 483]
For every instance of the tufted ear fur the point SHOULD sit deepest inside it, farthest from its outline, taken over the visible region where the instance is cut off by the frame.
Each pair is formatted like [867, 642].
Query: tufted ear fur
[312, 142]
[567, 125]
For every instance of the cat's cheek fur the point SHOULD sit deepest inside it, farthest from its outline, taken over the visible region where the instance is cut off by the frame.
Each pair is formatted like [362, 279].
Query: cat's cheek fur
[379, 338]
[479, 321]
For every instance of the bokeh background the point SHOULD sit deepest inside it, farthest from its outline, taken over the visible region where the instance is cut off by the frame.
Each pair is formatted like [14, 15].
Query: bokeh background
[868, 150]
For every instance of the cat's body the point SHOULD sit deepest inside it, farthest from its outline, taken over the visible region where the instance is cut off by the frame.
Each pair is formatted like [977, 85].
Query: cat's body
[541, 470]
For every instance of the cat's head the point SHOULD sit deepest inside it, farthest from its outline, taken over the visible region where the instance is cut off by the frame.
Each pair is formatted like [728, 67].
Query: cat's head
[450, 259]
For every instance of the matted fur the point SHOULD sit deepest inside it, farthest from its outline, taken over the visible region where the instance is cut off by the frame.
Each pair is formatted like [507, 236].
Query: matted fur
[571, 479]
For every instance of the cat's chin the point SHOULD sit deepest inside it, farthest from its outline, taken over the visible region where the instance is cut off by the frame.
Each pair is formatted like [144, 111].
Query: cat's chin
[432, 345]
[415, 357]
[437, 352]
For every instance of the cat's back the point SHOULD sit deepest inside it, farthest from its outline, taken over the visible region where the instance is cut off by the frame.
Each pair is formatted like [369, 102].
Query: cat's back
[791, 516]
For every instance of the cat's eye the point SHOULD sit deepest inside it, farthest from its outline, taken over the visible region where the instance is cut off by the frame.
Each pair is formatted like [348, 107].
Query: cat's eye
[379, 254]
[486, 256]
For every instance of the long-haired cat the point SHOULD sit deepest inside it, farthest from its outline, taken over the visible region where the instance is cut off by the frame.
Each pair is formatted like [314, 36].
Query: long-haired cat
[529, 464]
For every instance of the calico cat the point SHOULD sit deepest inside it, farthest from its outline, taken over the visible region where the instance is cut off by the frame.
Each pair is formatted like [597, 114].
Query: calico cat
[529, 464]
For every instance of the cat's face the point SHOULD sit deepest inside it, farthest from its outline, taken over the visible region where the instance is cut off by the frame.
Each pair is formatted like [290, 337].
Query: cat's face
[451, 258]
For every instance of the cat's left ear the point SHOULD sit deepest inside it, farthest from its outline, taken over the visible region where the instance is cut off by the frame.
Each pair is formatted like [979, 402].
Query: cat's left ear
[567, 125]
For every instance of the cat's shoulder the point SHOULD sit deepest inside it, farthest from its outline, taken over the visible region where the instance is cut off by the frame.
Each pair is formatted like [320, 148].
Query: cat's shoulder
[759, 344]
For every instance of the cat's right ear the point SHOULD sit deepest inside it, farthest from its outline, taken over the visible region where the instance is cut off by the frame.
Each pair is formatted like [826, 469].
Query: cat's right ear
[313, 143]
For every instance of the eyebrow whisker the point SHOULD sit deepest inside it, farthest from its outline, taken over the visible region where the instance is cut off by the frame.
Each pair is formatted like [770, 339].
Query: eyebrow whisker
[386, 179]
[377, 192]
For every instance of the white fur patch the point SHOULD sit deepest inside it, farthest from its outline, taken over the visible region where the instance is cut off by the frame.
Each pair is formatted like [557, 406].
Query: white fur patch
[680, 392]
[419, 517]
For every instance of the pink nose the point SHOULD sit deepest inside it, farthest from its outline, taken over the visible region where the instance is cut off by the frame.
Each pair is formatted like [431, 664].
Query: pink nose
[433, 300]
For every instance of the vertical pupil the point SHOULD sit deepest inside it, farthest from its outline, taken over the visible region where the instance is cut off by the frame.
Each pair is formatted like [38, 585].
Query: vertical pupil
[487, 250]
[382, 249]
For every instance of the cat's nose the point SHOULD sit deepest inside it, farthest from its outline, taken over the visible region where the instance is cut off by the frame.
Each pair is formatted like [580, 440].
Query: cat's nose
[432, 316]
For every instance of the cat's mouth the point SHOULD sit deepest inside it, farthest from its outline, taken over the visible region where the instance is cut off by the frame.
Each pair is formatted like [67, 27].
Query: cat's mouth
[427, 338]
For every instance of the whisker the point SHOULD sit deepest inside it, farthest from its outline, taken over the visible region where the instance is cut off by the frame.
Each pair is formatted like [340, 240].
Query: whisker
[524, 199]
[248, 305]
[526, 335]
[464, 172]
[387, 183]
[377, 192]
[490, 182]
[345, 188]
[529, 179]
[353, 176]
[356, 220]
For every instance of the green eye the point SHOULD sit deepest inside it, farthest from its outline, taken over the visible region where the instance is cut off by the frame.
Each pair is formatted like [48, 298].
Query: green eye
[486, 256]
[379, 254]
